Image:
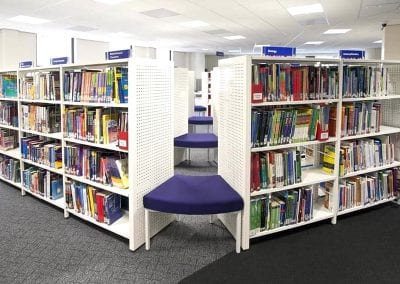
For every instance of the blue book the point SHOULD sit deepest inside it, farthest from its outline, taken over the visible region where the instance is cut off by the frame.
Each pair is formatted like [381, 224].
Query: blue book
[56, 189]
[112, 208]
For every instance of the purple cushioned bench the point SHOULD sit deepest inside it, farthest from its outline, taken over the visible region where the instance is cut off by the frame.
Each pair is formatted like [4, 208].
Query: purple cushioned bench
[196, 140]
[201, 120]
[194, 195]
[200, 108]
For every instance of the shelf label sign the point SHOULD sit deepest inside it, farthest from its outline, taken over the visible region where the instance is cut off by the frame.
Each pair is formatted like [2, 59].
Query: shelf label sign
[352, 54]
[118, 54]
[219, 53]
[279, 51]
[26, 64]
[59, 60]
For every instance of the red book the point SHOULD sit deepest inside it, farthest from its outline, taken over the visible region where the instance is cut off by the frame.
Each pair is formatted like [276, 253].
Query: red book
[255, 175]
[100, 207]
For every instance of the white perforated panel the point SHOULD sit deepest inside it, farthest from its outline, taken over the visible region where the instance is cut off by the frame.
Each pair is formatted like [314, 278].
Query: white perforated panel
[391, 114]
[204, 89]
[151, 139]
[234, 133]
[214, 98]
[192, 83]
[181, 97]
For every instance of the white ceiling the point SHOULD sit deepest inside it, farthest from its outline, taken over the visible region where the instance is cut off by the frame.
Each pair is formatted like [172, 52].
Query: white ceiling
[260, 21]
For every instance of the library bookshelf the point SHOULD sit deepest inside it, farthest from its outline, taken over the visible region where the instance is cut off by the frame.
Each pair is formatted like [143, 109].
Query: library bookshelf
[150, 134]
[236, 118]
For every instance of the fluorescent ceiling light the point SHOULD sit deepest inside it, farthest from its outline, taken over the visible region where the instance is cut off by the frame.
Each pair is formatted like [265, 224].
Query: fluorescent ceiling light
[234, 37]
[314, 42]
[307, 9]
[378, 41]
[111, 2]
[195, 24]
[205, 49]
[28, 20]
[261, 45]
[234, 50]
[336, 31]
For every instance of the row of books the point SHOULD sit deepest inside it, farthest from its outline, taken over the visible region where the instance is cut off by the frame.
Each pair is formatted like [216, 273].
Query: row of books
[42, 182]
[8, 139]
[97, 165]
[269, 212]
[275, 169]
[45, 152]
[367, 189]
[103, 206]
[93, 124]
[285, 82]
[365, 81]
[8, 86]
[45, 119]
[365, 153]
[9, 113]
[361, 118]
[101, 86]
[40, 86]
[289, 125]
[10, 169]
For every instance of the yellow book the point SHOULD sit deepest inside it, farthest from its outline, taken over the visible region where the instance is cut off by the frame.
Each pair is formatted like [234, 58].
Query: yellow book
[105, 119]
[91, 203]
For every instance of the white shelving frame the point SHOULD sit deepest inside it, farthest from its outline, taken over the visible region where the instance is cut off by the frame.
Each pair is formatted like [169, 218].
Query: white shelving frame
[150, 154]
[12, 153]
[390, 122]
[234, 132]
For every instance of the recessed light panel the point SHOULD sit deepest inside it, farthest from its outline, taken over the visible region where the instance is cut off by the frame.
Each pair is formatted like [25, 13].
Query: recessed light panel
[336, 31]
[28, 20]
[82, 28]
[160, 13]
[378, 41]
[314, 42]
[306, 9]
[234, 37]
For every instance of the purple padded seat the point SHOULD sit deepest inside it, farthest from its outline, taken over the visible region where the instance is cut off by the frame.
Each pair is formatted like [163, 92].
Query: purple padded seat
[194, 195]
[201, 120]
[196, 140]
[200, 108]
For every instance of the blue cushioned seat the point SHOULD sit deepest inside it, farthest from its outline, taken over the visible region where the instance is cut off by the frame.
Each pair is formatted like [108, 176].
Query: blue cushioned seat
[194, 195]
[200, 108]
[196, 140]
[201, 120]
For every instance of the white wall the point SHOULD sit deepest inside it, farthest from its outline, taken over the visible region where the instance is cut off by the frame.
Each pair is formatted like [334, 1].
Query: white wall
[16, 46]
[391, 42]
[211, 62]
[50, 45]
[373, 53]
[181, 59]
[88, 51]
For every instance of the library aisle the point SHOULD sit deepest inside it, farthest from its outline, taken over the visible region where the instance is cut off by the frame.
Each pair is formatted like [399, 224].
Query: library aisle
[52, 249]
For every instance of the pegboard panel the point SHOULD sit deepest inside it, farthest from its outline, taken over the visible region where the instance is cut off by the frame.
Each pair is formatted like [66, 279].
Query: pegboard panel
[150, 139]
[391, 114]
[181, 97]
[234, 133]
[214, 98]
[192, 83]
[204, 89]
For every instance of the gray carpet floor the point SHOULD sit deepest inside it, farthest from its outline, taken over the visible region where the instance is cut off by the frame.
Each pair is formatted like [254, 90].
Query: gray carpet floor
[37, 245]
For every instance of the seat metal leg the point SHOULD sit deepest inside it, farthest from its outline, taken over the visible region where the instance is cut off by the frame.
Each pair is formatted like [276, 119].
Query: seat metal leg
[147, 229]
[212, 218]
[238, 231]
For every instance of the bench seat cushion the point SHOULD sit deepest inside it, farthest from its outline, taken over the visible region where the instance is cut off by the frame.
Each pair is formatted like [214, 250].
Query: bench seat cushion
[201, 120]
[194, 195]
[196, 140]
[200, 108]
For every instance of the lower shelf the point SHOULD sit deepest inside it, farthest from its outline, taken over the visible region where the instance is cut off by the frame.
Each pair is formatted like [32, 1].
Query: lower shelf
[58, 202]
[357, 208]
[120, 227]
[320, 213]
[16, 184]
